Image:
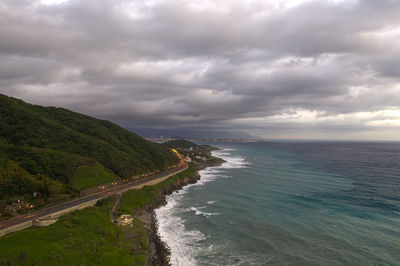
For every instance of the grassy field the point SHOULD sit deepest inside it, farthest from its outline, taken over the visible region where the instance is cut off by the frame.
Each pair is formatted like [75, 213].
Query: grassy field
[84, 237]
[93, 175]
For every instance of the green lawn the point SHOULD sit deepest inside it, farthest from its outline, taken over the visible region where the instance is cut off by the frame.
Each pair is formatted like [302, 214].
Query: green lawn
[93, 175]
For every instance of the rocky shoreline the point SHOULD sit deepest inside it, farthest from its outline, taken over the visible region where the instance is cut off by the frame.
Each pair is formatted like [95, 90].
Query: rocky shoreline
[159, 252]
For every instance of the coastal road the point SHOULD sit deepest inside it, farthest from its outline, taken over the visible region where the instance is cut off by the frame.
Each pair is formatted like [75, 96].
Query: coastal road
[95, 196]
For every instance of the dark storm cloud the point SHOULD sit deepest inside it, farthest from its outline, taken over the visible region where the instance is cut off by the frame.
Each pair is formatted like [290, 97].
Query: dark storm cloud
[318, 65]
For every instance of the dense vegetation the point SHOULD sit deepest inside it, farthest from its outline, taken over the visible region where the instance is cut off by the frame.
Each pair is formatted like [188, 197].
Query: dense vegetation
[93, 175]
[43, 148]
[183, 144]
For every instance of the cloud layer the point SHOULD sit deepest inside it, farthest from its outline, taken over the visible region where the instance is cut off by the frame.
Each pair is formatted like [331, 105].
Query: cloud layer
[291, 69]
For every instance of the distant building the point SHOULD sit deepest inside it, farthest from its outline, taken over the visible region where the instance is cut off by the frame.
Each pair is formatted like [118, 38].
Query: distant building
[201, 158]
[188, 159]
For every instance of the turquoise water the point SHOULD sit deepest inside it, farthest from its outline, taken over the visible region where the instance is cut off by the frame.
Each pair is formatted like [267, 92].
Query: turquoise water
[289, 204]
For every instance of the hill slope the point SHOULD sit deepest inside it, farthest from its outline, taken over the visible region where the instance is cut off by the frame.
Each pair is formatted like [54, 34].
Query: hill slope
[52, 143]
[183, 144]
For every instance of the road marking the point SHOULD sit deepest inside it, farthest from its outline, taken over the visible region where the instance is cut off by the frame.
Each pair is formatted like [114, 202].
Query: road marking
[26, 217]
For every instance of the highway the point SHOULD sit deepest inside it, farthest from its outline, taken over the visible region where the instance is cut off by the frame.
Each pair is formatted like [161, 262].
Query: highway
[96, 196]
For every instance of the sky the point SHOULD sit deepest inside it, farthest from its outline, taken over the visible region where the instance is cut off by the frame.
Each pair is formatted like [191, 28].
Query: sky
[287, 69]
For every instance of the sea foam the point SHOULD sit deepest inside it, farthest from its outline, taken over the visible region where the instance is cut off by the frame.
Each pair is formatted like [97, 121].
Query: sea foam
[197, 211]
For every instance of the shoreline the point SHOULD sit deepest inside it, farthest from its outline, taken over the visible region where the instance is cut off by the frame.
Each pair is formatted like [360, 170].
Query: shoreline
[159, 252]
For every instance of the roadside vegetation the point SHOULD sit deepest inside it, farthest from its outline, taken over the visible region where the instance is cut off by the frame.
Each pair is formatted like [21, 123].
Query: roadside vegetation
[93, 175]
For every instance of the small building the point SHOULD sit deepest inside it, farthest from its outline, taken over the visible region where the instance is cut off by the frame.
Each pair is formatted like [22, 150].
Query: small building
[125, 219]
[188, 159]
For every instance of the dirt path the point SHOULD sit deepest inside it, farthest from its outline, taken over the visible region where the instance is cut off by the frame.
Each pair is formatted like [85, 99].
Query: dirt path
[113, 211]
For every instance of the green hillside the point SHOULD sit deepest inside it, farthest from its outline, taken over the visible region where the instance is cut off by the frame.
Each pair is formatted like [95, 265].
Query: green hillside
[180, 144]
[183, 144]
[54, 143]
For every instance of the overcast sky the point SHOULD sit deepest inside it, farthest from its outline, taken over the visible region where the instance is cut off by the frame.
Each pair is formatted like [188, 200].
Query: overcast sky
[275, 69]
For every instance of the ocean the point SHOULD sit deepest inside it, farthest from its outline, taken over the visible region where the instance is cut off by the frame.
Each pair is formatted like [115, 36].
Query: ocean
[289, 203]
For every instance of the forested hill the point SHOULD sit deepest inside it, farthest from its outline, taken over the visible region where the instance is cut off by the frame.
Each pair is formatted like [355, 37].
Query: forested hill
[181, 144]
[51, 144]
[186, 145]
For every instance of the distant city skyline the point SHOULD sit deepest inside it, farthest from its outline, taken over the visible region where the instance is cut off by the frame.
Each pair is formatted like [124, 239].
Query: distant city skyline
[282, 69]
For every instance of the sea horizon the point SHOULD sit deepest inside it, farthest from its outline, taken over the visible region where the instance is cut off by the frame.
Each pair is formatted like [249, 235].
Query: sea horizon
[332, 140]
